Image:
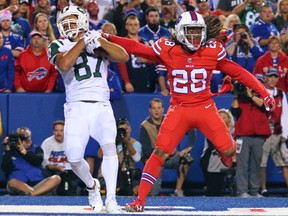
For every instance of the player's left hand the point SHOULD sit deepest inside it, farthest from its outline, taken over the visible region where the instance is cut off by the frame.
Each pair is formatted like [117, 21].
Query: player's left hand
[269, 103]
[93, 43]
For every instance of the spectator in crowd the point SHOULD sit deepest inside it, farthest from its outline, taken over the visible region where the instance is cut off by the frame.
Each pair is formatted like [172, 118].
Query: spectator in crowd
[170, 10]
[87, 92]
[11, 40]
[281, 21]
[20, 25]
[276, 58]
[55, 161]
[43, 25]
[149, 130]
[244, 50]
[21, 163]
[7, 67]
[247, 106]
[79, 3]
[4, 5]
[129, 152]
[210, 162]
[281, 17]
[122, 12]
[276, 143]
[42, 6]
[60, 4]
[263, 29]
[93, 10]
[204, 8]
[110, 28]
[248, 11]
[135, 72]
[285, 46]
[187, 6]
[151, 32]
[227, 32]
[24, 9]
[226, 7]
[33, 71]
[231, 21]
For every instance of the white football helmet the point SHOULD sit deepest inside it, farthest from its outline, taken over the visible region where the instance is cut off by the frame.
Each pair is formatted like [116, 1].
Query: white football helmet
[69, 28]
[188, 20]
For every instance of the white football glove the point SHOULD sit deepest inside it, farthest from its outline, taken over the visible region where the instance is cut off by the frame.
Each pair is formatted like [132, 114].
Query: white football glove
[93, 43]
[88, 36]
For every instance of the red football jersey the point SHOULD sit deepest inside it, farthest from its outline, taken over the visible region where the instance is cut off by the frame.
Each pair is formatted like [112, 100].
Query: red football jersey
[189, 74]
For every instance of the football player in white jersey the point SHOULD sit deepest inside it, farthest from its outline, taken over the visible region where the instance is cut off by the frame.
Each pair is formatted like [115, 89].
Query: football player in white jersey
[87, 109]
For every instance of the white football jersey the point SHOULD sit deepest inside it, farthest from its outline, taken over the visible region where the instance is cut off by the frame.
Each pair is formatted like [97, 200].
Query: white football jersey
[87, 79]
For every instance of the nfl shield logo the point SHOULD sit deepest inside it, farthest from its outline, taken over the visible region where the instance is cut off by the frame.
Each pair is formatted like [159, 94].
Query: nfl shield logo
[189, 60]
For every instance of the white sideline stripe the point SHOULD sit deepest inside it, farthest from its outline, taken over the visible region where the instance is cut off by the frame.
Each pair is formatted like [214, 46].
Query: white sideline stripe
[149, 210]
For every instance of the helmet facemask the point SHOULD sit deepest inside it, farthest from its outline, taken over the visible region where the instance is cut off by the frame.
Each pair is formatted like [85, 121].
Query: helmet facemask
[193, 39]
[71, 21]
[70, 28]
[190, 30]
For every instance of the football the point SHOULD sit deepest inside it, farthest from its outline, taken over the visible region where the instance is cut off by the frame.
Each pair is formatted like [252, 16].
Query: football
[100, 52]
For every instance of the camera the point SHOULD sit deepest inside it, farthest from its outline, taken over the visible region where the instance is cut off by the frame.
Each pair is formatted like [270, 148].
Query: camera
[239, 88]
[166, 2]
[13, 140]
[121, 133]
[186, 159]
[243, 35]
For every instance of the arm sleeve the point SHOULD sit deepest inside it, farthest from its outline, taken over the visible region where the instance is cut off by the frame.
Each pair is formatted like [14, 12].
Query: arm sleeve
[135, 47]
[17, 82]
[34, 158]
[138, 148]
[239, 73]
[123, 72]
[256, 51]
[52, 78]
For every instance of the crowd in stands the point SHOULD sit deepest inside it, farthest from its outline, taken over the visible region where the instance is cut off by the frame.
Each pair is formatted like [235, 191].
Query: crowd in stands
[247, 29]
[255, 35]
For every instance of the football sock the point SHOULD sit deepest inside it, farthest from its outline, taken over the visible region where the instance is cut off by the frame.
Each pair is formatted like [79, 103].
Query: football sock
[109, 170]
[150, 174]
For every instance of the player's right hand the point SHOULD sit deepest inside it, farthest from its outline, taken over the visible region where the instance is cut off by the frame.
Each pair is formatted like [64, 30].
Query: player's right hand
[91, 35]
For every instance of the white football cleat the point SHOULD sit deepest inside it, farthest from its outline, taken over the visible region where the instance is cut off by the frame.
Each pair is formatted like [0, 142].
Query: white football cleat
[94, 197]
[112, 206]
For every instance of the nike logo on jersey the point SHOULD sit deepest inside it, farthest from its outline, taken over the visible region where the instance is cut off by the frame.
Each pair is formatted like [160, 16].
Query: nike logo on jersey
[206, 107]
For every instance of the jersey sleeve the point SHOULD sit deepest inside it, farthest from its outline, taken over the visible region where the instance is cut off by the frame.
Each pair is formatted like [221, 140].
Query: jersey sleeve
[237, 72]
[135, 47]
[161, 48]
[54, 48]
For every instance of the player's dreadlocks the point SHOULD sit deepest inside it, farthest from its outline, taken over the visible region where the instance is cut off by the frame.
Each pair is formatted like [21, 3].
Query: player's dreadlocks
[214, 26]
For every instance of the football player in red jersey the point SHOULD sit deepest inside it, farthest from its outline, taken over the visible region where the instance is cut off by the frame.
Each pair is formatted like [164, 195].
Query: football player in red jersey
[190, 56]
